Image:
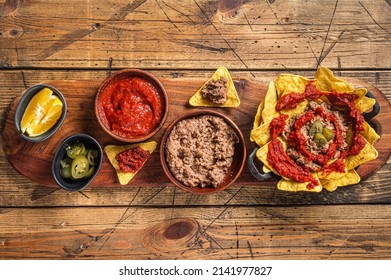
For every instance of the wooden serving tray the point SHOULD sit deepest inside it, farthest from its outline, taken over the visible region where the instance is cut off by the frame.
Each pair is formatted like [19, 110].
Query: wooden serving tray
[33, 160]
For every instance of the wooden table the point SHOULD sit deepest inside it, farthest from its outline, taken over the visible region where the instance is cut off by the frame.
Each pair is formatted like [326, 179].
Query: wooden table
[176, 40]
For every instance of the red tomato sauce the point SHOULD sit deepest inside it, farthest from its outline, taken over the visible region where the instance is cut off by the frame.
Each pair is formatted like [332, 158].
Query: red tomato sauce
[288, 168]
[132, 160]
[130, 107]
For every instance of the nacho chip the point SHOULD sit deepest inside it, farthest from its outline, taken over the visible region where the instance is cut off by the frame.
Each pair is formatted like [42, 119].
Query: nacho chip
[261, 134]
[369, 134]
[327, 82]
[112, 151]
[287, 83]
[349, 178]
[258, 116]
[366, 154]
[197, 100]
[296, 111]
[266, 114]
[365, 103]
[269, 112]
[292, 186]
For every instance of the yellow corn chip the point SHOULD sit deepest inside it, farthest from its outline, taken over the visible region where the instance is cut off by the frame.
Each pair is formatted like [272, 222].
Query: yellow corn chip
[112, 151]
[258, 116]
[287, 83]
[197, 100]
[365, 103]
[292, 186]
[269, 112]
[261, 134]
[327, 82]
[349, 178]
[369, 134]
[366, 154]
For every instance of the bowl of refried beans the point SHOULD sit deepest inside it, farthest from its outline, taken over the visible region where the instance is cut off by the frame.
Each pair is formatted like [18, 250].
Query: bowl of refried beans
[202, 152]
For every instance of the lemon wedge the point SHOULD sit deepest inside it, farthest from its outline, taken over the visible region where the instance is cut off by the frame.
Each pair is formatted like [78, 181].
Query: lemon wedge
[41, 113]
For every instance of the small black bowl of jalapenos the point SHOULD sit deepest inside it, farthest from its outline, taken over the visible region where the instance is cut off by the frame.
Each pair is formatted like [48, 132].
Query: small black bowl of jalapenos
[76, 162]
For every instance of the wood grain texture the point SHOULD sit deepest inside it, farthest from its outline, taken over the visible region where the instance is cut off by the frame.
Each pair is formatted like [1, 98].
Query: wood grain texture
[336, 232]
[198, 34]
[256, 40]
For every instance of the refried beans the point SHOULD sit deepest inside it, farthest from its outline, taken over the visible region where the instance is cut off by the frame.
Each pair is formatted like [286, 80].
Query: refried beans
[200, 150]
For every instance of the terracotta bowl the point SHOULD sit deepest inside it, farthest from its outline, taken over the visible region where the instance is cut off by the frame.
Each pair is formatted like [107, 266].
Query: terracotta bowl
[126, 74]
[236, 166]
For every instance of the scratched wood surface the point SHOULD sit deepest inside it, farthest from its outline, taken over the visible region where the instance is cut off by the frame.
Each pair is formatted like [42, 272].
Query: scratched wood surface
[256, 40]
[164, 33]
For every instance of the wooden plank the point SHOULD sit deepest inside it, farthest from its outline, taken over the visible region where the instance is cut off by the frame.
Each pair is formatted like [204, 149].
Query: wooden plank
[17, 191]
[197, 34]
[317, 232]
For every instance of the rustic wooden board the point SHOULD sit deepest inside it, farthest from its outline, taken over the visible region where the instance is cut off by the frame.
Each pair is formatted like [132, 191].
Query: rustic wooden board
[33, 160]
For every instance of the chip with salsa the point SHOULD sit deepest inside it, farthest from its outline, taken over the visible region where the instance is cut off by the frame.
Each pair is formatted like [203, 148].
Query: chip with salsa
[218, 91]
[127, 160]
[312, 133]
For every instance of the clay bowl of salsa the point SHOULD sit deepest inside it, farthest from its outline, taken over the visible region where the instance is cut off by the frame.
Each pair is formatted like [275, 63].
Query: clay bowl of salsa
[202, 152]
[131, 105]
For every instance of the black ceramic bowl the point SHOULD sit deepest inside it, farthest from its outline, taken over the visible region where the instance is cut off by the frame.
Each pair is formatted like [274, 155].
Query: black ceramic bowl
[25, 100]
[61, 153]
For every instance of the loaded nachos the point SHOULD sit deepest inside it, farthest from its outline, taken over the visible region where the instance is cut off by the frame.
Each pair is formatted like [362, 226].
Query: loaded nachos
[312, 133]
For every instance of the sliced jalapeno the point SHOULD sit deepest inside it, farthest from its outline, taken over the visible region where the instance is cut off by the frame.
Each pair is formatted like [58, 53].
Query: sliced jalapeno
[316, 127]
[328, 134]
[92, 156]
[76, 149]
[319, 139]
[80, 167]
[66, 165]
[90, 172]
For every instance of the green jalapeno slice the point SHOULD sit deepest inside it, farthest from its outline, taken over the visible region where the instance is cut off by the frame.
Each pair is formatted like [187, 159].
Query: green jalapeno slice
[66, 165]
[76, 149]
[80, 167]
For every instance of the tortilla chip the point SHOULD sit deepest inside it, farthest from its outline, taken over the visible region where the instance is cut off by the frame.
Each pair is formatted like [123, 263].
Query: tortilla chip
[369, 134]
[365, 103]
[332, 175]
[261, 154]
[366, 154]
[350, 178]
[197, 100]
[269, 112]
[261, 134]
[258, 116]
[287, 83]
[265, 169]
[296, 111]
[112, 151]
[361, 92]
[292, 186]
[326, 81]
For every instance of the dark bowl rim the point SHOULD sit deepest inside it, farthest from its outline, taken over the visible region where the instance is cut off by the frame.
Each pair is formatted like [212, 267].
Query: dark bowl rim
[28, 94]
[75, 137]
[195, 113]
[140, 73]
